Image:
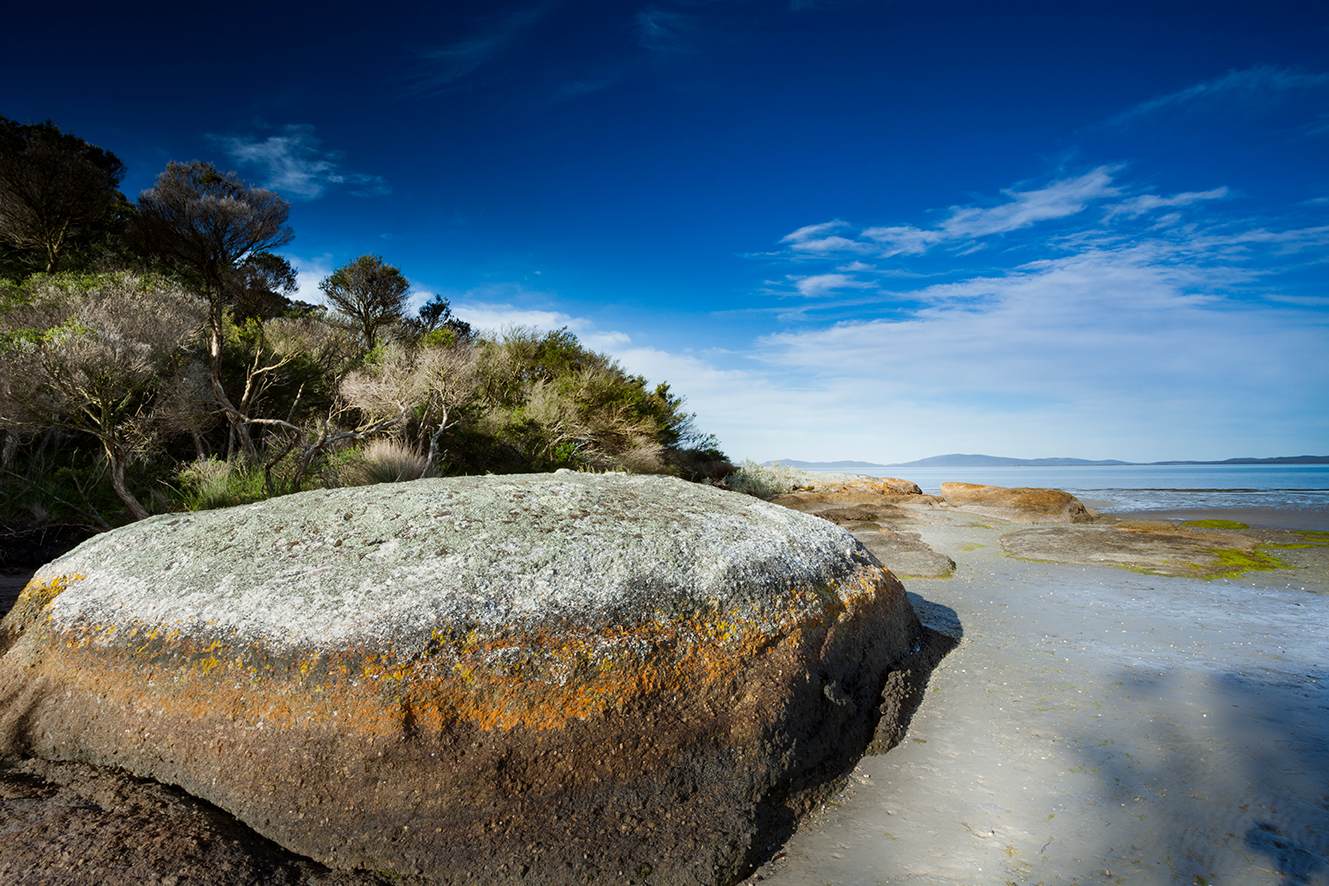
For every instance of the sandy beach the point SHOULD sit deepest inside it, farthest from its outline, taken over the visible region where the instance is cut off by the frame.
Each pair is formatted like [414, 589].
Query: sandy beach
[1096, 725]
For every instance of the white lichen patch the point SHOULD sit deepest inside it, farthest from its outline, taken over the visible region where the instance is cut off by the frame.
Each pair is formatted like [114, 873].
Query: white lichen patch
[385, 565]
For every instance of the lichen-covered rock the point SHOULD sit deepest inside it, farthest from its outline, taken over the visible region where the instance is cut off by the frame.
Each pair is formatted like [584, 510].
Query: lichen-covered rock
[1018, 504]
[1158, 548]
[543, 679]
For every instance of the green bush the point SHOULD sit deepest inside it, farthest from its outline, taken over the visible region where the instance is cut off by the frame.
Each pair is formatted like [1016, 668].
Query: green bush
[211, 483]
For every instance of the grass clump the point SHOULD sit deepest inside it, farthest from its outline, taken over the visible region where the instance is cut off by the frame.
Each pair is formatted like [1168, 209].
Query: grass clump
[212, 483]
[383, 461]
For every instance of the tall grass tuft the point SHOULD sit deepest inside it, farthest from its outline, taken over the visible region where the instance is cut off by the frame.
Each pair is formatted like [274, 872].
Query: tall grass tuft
[382, 461]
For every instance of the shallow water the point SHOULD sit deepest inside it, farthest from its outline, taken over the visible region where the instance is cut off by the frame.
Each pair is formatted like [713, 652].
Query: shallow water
[1138, 489]
[1096, 726]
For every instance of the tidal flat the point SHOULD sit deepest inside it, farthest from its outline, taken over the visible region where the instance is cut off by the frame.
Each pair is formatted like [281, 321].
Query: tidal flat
[1096, 725]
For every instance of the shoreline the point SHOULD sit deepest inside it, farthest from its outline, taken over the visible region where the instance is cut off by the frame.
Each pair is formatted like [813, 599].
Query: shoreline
[1096, 724]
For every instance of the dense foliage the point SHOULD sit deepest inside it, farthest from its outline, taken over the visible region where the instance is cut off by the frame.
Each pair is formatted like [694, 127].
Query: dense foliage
[173, 371]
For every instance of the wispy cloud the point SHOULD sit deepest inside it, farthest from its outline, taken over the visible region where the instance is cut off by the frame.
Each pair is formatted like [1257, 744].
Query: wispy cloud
[1108, 332]
[664, 32]
[1022, 209]
[443, 66]
[1137, 206]
[293, 164]
[826, 284]
[1259, 86]
[496, 307]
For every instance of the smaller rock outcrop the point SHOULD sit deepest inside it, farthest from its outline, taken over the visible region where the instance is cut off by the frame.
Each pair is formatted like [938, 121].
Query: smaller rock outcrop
[1019, 504]
[875, 510]
[1155, 547]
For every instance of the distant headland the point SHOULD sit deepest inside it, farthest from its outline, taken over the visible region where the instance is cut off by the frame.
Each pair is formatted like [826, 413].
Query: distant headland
[960, 460]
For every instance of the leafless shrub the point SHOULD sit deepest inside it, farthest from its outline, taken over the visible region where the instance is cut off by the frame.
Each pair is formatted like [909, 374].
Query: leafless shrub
[424, 384]
[92, 355]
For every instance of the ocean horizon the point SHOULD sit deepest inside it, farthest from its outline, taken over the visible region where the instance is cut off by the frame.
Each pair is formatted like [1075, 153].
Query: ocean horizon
[1142, 489]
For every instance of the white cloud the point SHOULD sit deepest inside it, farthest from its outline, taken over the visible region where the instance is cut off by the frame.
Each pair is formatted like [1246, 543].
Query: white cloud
[309, 272]
[826, 284]
[1152, 337]
[1149, 202]
[293, 164]
[485, 315]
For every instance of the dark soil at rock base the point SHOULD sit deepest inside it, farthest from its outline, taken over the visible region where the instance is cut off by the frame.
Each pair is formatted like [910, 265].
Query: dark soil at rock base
[72, 824]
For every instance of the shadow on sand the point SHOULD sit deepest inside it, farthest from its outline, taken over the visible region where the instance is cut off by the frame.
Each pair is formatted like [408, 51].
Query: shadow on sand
[1225, 779]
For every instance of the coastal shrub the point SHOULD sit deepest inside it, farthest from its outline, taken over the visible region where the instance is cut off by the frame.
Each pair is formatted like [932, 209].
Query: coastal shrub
[763, 481]
[170, 369]
[383, 461]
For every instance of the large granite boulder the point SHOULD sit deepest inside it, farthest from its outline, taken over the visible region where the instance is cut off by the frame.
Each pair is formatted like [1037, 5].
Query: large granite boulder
[1018, 504]
[541, 679]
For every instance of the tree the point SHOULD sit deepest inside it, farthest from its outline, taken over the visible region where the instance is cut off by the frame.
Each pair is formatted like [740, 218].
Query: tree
[56, 190]
[435, 321]
[264, 282]
[372, 294]
[94, 355]
[206, 223]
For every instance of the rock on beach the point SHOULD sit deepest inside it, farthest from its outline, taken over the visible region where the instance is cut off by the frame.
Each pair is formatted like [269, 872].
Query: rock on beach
[540, 679]
[874, 509]
[1018, 504]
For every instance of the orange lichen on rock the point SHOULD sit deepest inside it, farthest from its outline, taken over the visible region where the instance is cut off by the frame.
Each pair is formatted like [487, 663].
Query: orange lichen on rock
[32, 600]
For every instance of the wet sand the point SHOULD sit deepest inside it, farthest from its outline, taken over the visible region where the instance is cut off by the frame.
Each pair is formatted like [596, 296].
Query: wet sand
[1096, 725]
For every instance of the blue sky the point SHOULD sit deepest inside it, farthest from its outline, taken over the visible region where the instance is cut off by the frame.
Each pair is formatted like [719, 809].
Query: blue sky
[842, 229]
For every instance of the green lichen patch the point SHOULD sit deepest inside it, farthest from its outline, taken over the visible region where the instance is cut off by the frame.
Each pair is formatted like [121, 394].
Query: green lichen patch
[1215, 524]
[1234, 563]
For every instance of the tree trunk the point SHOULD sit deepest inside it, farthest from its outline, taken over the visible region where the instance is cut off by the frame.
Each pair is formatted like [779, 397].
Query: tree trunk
[239, 432]
[433, 445]
[116, 460]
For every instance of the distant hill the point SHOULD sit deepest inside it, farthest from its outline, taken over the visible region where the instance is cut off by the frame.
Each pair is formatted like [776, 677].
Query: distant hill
[824, 465]
[1280, 460]
[961, 460]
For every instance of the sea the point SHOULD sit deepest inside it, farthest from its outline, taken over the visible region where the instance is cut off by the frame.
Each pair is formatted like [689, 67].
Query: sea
[1139, 490]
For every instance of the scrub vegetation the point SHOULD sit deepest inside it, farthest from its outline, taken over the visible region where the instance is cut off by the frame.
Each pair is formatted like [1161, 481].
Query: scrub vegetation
[152, 359]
